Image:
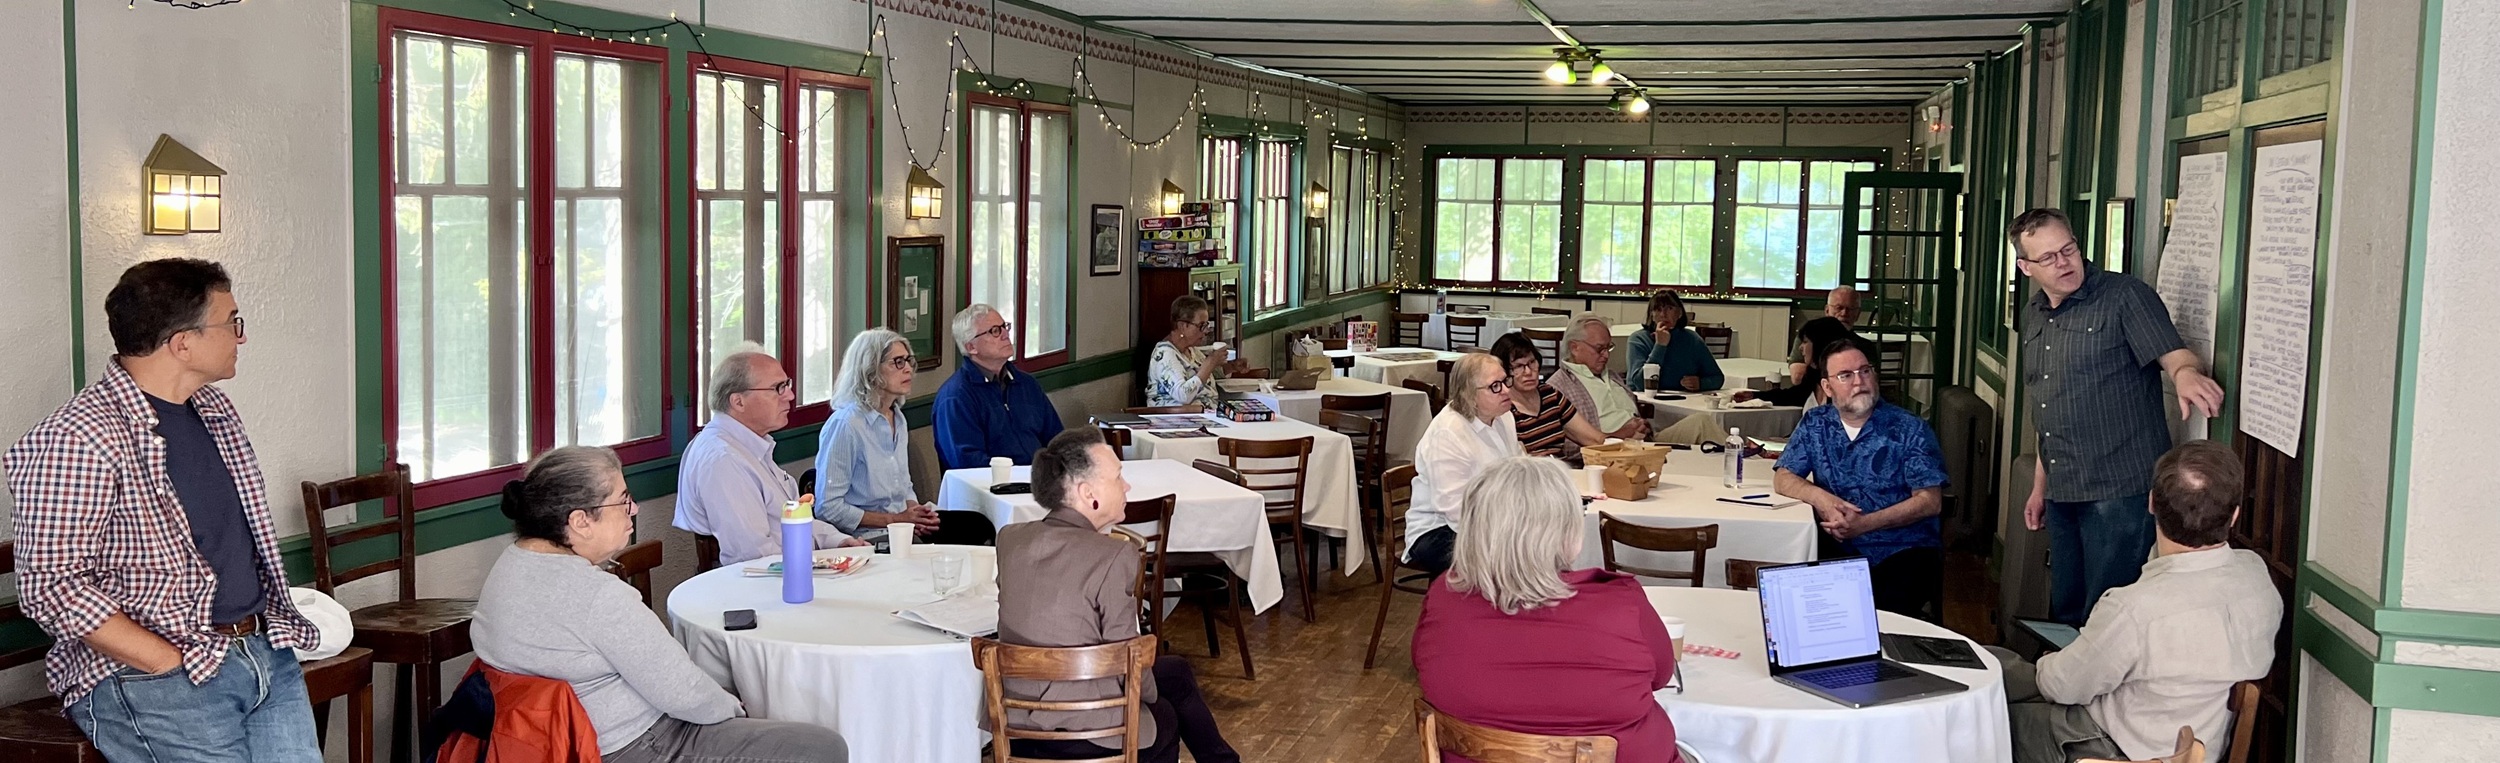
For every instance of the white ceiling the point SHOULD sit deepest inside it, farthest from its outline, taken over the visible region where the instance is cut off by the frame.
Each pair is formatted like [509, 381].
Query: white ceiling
[1424, 52]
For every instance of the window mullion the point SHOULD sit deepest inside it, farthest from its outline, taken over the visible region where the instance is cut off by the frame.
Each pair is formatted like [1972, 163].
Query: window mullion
[542, 244]
[788, 201]
[750, 121]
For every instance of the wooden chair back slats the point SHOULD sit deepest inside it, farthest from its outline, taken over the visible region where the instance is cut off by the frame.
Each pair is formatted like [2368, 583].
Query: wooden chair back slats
[1376, 404]
[1407, 329]
[1396, 494]
[390, 486]
[1745, 574]
[1118, 438]
[1370, 436]
[1720, 339]
[1150, 570]
[1441, 733]
[1219, 471]
[1548, 343]
[1463, 330]
[1126, 660]
[1694, 540]
[1431, 392]
[1271, 481]
[2244, 696]
[635, 563]
[1548, 311]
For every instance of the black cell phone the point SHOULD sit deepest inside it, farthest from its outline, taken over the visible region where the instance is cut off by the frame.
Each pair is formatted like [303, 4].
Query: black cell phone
[1011, 488]
[738, 620]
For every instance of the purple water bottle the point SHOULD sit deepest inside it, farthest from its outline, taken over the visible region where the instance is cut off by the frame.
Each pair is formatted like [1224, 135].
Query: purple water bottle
[798, 554]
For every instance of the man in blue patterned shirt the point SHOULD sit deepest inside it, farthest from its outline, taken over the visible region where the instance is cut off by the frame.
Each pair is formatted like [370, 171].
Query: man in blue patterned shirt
[1875, 477]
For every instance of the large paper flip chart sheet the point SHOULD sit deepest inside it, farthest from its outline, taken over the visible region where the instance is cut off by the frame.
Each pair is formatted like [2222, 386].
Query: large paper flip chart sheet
[2191, 258]
[2282, 258]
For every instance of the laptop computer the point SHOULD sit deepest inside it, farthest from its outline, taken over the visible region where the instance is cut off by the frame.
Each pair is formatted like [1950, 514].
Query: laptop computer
[1819, 635]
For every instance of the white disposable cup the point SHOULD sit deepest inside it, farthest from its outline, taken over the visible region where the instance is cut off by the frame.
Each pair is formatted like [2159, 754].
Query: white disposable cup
[999, 467]
[898, 539]
[1649, 374]
[1675, 631]
[1592, 479]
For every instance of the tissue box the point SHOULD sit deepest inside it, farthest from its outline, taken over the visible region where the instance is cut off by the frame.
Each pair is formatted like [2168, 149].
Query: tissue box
[1244, 410]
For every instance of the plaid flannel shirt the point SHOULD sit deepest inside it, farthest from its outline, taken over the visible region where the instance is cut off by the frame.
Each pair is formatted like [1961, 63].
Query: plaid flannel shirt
[100, 531]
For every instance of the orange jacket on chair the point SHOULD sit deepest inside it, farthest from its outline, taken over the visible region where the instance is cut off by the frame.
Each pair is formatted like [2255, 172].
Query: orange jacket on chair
[525, 719]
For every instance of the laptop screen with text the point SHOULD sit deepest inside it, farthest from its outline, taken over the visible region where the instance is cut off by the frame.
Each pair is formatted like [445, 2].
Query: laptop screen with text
[1815, 613]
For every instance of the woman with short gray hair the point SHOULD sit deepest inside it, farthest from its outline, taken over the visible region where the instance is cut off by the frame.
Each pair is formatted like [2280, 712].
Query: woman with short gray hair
[548, 610]
[1510, 583]
[1475, 431]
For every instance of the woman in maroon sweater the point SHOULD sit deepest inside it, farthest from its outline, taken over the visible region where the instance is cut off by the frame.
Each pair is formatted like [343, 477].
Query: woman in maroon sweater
[1514, 639]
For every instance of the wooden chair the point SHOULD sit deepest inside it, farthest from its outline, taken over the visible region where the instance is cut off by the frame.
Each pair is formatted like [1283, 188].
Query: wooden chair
[2243, 704]
[1407, 329]
[1431, 392]
[1462, 330]
[2190, 751]
[1150, 570]
[35, 731]
[1125, 660]
[1217, 583]
[1286, 511]
[1720, 339]
[1119, 438]
[1549, 344]
[1484, 744]
[706, 553]
[1396, 493]
[1332, 344]
[1745, 574]
[1548, 311]
[418, 635]
[1156, 410]
[634, 565]
[1694, 540]
[1370, 436]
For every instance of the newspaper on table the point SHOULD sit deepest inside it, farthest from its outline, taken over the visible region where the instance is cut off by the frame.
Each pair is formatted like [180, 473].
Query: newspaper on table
[966, 615]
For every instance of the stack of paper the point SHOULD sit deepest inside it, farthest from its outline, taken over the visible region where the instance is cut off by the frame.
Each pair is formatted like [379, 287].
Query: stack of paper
[966, 615]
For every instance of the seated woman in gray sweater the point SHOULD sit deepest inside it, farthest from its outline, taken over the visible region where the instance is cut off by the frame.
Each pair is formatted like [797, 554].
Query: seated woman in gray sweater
[548, 610]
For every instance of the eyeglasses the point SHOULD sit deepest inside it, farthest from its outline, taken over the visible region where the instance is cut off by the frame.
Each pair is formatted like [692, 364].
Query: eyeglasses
[1855, 375]
[1608, 347]
[629, 501]
[999, 331]
[2067, 252]
[900, 362]
[236, 324]
[1498, 387]
[783, 388]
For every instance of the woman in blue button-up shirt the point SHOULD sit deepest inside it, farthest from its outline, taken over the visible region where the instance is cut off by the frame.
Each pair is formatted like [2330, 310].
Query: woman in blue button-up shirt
[863, 454]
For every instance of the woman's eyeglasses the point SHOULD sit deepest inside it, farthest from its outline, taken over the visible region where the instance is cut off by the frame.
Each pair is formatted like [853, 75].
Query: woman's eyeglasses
[900, 362]
[1498, 387]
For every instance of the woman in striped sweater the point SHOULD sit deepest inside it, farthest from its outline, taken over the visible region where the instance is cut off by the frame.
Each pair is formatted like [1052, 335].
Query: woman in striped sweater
[1548, 426]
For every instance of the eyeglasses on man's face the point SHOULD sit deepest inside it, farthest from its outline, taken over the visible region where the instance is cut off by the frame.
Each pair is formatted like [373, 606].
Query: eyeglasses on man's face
[236, 325]
[2066, 253]
[783, 388]
[1855, 375]
[999, 331]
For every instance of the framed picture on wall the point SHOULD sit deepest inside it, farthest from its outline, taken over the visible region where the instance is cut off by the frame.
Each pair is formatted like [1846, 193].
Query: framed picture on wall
[1107, 258]
[915, 266]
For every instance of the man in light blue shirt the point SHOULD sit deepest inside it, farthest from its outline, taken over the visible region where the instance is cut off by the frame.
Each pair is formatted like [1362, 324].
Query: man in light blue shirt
[863, 455]
[728, 486]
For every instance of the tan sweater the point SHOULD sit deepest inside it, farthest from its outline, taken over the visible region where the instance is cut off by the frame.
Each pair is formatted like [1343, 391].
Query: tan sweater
[2164, 652]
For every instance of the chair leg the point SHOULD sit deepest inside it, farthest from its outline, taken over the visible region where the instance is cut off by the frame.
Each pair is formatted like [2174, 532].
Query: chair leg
[1380, 620]
[1241, 636]
[1310, 612]
[360, 725]
[403, 718]
[429, 696]
[321, 724]
[1206, 610]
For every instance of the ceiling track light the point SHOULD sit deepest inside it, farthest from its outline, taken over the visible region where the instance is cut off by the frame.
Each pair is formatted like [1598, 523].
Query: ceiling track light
[1561, 72]
[1599, 72]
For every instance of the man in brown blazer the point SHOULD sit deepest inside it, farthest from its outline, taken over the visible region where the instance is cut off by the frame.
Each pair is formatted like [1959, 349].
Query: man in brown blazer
[1062, 582]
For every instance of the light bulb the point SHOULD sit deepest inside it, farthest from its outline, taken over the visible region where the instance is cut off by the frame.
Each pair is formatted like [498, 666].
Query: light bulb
[1639, 104]
[1601, 74]
[1560, 72]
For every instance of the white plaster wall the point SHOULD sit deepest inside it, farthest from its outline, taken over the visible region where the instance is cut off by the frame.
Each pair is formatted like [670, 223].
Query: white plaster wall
[2422, 736]
[2364, 294]
[2450, 486]
[2336, 725]
[35, 223]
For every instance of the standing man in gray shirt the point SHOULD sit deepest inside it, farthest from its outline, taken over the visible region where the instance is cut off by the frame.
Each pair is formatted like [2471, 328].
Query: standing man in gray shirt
[2095, 346]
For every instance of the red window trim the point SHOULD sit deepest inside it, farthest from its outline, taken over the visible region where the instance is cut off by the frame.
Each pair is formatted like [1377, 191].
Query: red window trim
[1024, 247]
[790, 79]
[541, 196]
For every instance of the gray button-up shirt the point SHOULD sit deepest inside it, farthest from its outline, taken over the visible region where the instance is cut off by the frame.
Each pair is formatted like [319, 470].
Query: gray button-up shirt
[2091, 368]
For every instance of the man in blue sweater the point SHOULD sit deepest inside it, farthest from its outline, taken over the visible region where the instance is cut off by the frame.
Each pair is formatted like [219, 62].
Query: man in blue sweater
[989, 407]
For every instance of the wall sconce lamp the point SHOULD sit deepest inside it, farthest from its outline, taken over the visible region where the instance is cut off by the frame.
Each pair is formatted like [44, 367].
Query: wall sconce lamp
[1319, 200]
[1173, 198]
[184, 191]
[924, 196]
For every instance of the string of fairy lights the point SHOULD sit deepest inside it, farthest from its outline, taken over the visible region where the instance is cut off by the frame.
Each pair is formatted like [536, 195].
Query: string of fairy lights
[188, 5]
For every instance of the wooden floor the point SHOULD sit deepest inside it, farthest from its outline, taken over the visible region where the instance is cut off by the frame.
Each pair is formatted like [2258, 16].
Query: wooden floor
[1313, 701]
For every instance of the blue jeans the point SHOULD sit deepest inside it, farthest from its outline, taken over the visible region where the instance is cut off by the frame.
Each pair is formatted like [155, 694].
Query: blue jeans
[2095, 546]
[253, 710]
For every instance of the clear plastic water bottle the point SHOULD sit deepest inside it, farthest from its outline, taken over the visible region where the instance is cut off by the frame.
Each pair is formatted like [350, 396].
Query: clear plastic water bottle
[1733, 475]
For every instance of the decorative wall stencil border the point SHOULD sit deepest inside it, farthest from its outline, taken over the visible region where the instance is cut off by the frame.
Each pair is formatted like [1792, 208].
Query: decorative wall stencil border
[1461, 116]
[1678, 117]
[1884, 117]
[1058, 34]
[1572, 114]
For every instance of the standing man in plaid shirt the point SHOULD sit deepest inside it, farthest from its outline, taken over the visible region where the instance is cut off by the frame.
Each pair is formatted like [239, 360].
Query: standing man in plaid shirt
[144, 545]
[2095, 347]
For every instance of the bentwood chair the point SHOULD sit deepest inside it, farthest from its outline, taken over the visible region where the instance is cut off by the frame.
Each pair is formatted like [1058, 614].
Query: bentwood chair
[1284, 487]
[1694, 540]
[418, 635]
[1441, 733]
[1396, 493]
[1125, 660]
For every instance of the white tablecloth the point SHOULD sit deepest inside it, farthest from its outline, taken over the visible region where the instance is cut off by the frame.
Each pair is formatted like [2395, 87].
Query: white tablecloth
[1732, 712]
[1394, 373]
[1328, 493]
[1751, 373]
[1211, 515]
[1775, 421]
[1409, 410]
[1437, 330]
[896, 691]
[1687, 496]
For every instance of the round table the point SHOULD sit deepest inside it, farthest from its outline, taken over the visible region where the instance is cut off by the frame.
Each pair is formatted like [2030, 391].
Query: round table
[896, 691]
[1732, 712]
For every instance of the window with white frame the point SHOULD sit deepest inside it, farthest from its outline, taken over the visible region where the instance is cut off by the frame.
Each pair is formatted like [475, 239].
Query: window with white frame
[512, 271]
[1497, 220]
[1788, 222]
[1358, 226]
[1219, 184]
[1017, 216]
[1277, 222]
[1646, 222]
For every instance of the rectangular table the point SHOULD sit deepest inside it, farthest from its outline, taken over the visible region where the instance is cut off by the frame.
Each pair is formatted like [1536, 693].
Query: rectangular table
[1437, 330]
[1687, 496]
[1774, 421]
[1409, 410]
[1210, 515]
[1329, 502]
[1371, 367]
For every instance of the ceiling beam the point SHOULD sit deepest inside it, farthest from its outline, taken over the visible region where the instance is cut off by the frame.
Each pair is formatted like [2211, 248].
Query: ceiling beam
[1961, 54]
[1678, 43]
[1628, 23]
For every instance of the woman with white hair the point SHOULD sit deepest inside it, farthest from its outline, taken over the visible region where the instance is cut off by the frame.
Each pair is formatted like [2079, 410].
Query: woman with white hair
[863, 454]
[1511, 584]
[1476, 430]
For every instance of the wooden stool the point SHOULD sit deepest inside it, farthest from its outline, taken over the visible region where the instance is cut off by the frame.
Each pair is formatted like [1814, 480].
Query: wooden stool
[418, 635]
